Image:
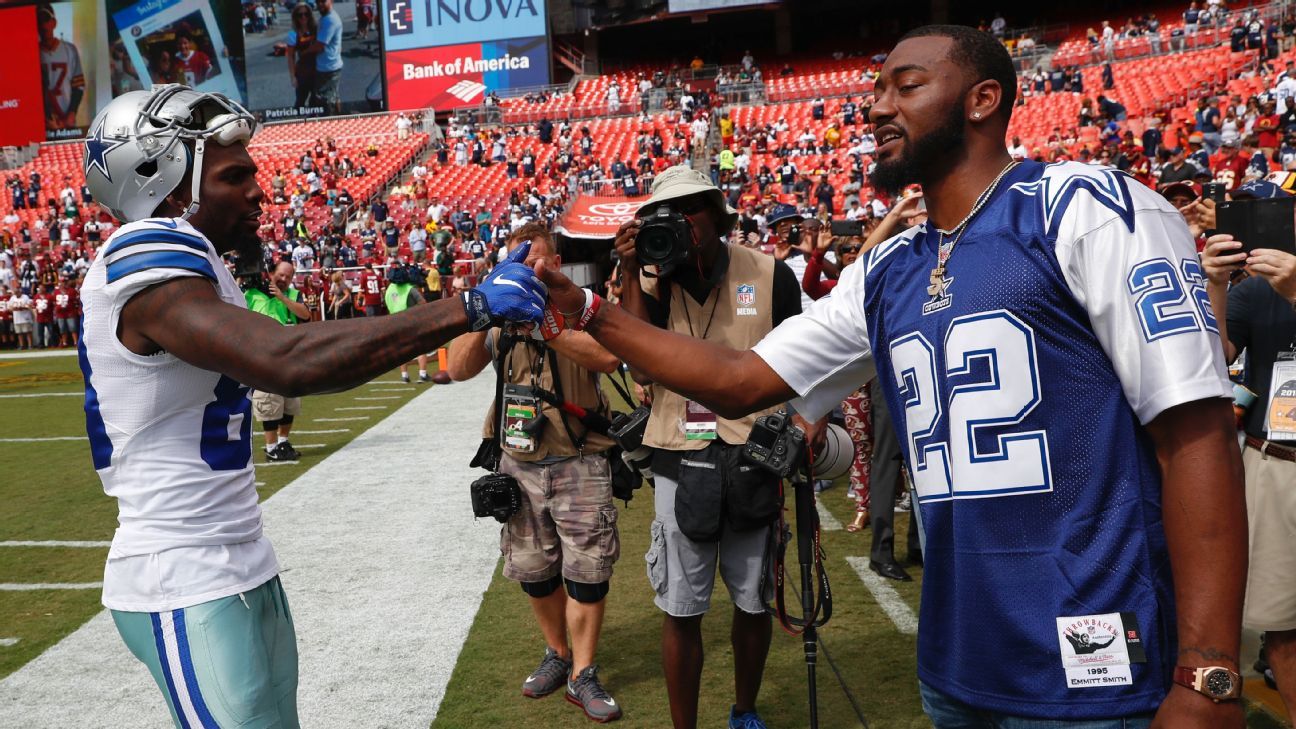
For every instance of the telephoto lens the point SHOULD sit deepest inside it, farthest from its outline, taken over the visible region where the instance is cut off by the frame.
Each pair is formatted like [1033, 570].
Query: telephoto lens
[833, 459]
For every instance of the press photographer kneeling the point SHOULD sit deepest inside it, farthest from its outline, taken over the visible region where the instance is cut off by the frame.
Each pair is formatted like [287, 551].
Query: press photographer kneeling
[711, 505]
[553, 487]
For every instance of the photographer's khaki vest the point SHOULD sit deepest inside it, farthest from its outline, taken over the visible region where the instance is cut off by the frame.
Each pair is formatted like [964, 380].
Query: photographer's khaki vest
[579, 386]
[744, 314]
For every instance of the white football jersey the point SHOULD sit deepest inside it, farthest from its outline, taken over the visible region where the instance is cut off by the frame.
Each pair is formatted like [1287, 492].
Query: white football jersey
[170, 441]
[61, 69]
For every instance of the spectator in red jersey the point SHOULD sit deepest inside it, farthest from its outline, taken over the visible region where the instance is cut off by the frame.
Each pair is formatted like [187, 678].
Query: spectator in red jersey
[43, 306]
[1266, 128]
[7, 340]
[369, 298]
[1229, 166]
[67, 310]
[194, 64]
[1140, 167]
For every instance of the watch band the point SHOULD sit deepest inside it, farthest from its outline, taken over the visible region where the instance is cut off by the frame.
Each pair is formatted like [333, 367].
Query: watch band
[1196, 678]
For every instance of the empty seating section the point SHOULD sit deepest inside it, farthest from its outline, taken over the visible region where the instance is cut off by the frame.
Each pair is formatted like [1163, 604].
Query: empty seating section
[588, 99]
[829, 78]
[275, 147]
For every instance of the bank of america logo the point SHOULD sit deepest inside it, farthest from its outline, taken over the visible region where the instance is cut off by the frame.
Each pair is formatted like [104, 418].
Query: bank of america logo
[466, 90]
[400, 17]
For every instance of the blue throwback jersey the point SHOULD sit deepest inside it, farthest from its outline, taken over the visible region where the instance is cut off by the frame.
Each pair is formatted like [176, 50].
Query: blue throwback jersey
[1072, 312]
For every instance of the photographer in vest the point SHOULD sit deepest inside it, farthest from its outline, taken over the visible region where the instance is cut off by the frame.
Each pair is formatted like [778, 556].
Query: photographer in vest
[402, 292]
[710, 506]
[561, 544]
[275, 297]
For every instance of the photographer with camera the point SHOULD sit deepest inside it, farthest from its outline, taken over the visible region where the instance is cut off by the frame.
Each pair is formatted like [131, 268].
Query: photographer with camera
[1256, 313]
[561, 542]
[275, 297]
[711, 507]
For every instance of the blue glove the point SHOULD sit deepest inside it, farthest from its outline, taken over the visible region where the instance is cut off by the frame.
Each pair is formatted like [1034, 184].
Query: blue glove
[511, 293]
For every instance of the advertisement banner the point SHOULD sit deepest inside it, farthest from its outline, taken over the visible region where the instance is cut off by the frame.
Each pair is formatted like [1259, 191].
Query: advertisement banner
[591, 216]
[449, 76]
[411, 24]
[69, 47]
[307, 64]
[22, 110]
[177, 41]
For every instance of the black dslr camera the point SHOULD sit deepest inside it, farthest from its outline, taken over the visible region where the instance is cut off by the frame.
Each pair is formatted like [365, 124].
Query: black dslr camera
[628, 432]
[497, 495]
[664, 238]
[776, 444]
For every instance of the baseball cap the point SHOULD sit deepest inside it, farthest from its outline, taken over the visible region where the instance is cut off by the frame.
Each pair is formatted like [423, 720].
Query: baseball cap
[782, 211]
[1196, 138]
[1174, 150]
[1171, 189]
[1259, 190]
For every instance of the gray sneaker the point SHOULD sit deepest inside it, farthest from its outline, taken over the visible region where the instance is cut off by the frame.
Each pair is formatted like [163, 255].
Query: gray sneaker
[587, 693]
[549, 677]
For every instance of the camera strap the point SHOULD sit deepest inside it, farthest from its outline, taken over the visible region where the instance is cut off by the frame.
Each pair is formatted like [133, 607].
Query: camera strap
[623, 388]
[822, 610]
[504, 346]
[562, 414]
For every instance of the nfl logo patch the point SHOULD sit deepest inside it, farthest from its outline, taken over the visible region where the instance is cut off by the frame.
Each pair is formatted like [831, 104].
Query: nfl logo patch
[746, 294]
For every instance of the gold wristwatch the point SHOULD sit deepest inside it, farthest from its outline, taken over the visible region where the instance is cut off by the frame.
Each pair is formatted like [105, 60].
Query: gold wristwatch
[1217, 683]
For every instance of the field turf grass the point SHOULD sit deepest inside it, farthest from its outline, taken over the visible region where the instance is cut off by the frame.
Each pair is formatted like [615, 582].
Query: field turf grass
[50, 492]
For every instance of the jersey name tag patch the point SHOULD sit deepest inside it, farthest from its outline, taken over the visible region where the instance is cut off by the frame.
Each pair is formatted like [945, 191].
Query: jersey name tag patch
[1097, 650]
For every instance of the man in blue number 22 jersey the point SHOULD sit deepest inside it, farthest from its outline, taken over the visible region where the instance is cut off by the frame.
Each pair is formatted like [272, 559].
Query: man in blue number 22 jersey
[1048, 351]
[169, 351]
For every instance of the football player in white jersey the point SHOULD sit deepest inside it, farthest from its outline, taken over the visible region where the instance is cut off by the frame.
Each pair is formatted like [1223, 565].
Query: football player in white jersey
[168, 354]
[1058, 386]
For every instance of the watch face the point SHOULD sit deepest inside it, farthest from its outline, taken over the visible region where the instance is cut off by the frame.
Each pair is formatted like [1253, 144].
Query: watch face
[1219, 683]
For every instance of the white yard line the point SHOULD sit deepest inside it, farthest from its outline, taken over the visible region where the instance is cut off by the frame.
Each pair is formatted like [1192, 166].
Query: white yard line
[39, 354]
[45, 394]
[28, 586]
[7, 642]
[55, 543]
[321, 432]
[391, 389]
[386, 382]
[887, 598]
[272, 464]
[341, 420]
[49, 439]
[309, 445]
[384, 397]
[384, 571]
[827, 522]
[363, 407]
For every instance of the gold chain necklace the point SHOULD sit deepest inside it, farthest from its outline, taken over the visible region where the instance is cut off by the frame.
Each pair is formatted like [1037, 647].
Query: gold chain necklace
[938, 284]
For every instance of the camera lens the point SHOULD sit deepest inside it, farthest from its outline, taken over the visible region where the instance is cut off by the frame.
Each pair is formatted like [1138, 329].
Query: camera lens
[654, 245]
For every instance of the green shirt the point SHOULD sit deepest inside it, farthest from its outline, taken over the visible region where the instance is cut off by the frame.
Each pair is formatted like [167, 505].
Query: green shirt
[398, 297]
[263, 303]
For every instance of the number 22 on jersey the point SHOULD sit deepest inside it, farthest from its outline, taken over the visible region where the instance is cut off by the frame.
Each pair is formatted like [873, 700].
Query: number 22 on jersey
[990, 383]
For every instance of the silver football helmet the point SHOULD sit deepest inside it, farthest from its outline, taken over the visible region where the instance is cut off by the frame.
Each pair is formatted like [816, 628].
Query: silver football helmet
[142, 142]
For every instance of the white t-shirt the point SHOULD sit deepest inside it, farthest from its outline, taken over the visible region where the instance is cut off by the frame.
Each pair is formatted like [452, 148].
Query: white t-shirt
[20, 304]
[170, 441]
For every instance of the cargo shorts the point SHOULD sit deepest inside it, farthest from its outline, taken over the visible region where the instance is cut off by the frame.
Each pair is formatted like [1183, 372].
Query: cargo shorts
[567, 523]
[682, 571]
[268, 406]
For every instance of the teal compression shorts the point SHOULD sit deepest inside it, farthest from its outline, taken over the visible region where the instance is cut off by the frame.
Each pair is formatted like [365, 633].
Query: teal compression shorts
[230, 662]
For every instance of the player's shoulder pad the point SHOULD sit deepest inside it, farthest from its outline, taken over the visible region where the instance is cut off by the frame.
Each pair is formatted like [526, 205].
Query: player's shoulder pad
[157, 243]
[891, 245]
[1087, 196]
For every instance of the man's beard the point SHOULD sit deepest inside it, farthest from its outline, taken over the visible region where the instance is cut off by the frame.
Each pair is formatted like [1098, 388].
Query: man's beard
[920, 158]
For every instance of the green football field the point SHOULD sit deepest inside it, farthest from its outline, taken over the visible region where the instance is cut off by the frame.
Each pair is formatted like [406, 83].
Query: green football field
[51, 494]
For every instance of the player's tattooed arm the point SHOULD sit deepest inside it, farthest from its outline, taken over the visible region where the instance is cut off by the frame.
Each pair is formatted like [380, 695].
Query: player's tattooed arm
[1203, 507]
[187, 318]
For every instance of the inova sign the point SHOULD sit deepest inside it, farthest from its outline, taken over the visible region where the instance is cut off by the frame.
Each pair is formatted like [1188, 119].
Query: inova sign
[451, 22]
